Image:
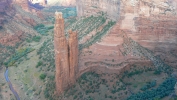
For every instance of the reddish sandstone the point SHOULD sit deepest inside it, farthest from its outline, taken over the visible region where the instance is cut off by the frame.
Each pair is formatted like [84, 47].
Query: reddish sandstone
[66, 56]
[73, 56]
[23, 4]
[11, 40]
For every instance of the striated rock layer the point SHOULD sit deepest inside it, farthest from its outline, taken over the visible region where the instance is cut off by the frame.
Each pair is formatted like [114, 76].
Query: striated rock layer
[5, 8]
[131, 11]
[23, 4]
[151, 25]
[66, 56]
[144, 33]
[11, 39]
[15, 21]
[126, 10]
[90, 7]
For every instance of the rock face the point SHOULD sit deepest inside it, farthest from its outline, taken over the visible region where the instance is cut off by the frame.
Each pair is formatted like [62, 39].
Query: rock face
[11, 40]
[90, 7]
[5, 7]
[23, 4]
[73, 56]
[153, 22]
[4, 4]
[145, 8]
[66, 56]
[61, 55]
[30, 21]
[162, 26]
[61, 2]
[14, 21]
[128, 9]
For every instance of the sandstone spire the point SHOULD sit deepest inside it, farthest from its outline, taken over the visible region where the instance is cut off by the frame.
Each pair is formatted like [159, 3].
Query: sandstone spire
[73, 56]
[61, 54]
[66, 55]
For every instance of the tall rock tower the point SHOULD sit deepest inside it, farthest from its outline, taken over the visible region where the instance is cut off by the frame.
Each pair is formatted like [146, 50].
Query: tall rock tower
[61, 54]
[73, 56]
[66, 55]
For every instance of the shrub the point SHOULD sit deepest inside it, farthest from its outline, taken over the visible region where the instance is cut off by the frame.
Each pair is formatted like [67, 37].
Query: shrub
[42, 76]
[50, 27]
[39, 26]
[149, 85]
[164, 89]
[18, 54]
[157, 72]
[39, 64]
[36, 38]
[75, 96]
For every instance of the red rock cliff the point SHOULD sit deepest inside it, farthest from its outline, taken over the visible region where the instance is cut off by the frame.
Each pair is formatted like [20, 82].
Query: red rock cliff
[5, 7]
[23, 4]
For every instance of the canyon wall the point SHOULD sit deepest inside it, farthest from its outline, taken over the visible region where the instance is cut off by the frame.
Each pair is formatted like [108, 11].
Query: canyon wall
[5, 8]
[91, 7]
[23, 4]
[10, 39]
[61, 2]
[144, 22]
[127, 10]
[131, 10]
[16, 19]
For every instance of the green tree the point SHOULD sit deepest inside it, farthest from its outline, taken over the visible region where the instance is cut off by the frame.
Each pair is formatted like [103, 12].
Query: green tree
[42, 76]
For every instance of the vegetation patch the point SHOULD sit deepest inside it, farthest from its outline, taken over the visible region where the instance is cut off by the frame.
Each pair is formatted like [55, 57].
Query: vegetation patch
[39, 64]
[93, 86]
[36, 38]
[18, 54]
[67, 11]
[97, 36]
[42, 76]
[49, 91]
[148, 85]
[163, 90]
[46, 54]
[5, 53]
[42, 29]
